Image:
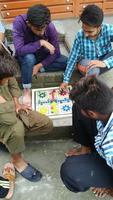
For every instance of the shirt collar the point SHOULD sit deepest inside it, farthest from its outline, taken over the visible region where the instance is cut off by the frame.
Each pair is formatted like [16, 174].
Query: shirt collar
[109, 123]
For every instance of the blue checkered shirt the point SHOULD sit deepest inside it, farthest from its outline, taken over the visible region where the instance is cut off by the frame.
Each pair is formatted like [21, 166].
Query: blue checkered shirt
[104, 140]
[87, 48]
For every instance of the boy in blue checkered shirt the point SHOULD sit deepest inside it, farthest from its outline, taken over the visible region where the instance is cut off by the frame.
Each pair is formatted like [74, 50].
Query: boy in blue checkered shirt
[92, 50]
[90, 166]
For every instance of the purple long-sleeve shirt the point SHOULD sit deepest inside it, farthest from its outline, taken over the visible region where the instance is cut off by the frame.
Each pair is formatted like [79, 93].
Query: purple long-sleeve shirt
[25, 41]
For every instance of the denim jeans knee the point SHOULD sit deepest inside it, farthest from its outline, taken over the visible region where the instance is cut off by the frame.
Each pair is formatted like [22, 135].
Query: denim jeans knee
[27, 63]
[82, 67]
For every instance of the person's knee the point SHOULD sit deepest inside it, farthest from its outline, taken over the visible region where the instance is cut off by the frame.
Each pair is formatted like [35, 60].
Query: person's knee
[66, 176]
[29, 59]
[94, 71]
[62, 62]
[39, 122]
[83, 66]
[65, 59]
[62, 59]
[47, 126]
[71, 177]
[64, 172]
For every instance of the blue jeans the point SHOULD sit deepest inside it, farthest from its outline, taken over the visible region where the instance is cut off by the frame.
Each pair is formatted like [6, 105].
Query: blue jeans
[95, 71]
[85, 63]
[28, 61]
[81, 172]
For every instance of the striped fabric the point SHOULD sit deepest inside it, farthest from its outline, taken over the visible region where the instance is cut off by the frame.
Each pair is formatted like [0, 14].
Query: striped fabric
[87, 48]
[104, 140]
[4, 184]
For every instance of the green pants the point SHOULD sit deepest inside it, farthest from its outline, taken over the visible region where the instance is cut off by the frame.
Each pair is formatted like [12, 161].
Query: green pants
[13, 135]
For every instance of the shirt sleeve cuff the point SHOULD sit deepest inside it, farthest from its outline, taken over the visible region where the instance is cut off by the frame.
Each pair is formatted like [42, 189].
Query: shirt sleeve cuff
[65, 81]
[107, 64]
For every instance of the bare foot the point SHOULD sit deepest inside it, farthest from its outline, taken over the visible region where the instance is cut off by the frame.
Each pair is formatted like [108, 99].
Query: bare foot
[9, 173]
[102, 192]
[20, 165]
[25, 169]
[11, 190]
[26, 98]
[78, 151]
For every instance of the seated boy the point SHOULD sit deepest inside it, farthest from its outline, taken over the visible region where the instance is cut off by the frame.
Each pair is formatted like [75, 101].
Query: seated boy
[91, 166]
[36, 43]
[16, 118]
[92, 51]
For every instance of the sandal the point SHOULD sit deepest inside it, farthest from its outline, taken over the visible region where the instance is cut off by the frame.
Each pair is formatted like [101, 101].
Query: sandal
[4, 187]
[30, 173]
[9, 173]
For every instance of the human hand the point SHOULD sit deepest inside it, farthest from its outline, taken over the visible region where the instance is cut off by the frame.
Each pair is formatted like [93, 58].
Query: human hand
[36, 69]
[2, 100]
[63, 86]
[23, 107]
[95, 64]
[48, 45]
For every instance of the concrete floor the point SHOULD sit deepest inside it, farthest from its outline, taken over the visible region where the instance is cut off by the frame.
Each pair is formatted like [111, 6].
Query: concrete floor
[48, 155]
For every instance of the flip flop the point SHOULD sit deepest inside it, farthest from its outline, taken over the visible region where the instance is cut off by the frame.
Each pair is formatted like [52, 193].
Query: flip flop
[9, 171]
[30, 173]
[9, 174]
[4, 187]
[3, 147]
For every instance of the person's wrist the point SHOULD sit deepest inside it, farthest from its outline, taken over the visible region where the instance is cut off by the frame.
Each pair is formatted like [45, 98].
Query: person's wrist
[64, 81]
[42, 42]
[39, 65]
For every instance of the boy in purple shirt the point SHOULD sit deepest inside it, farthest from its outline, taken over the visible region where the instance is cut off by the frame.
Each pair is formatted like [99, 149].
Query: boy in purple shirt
[36, 43]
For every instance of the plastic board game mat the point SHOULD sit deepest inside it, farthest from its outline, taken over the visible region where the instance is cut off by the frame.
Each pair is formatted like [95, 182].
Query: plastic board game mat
[52, 102]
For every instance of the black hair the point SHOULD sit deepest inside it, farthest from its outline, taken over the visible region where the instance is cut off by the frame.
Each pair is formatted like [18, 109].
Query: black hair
[92, 94]
[39, 16]
[92, 15]
[8, 65]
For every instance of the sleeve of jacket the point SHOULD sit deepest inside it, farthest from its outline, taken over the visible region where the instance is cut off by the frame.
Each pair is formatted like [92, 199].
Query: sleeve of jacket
[53, 39]
[7, 113]
[14, 88]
